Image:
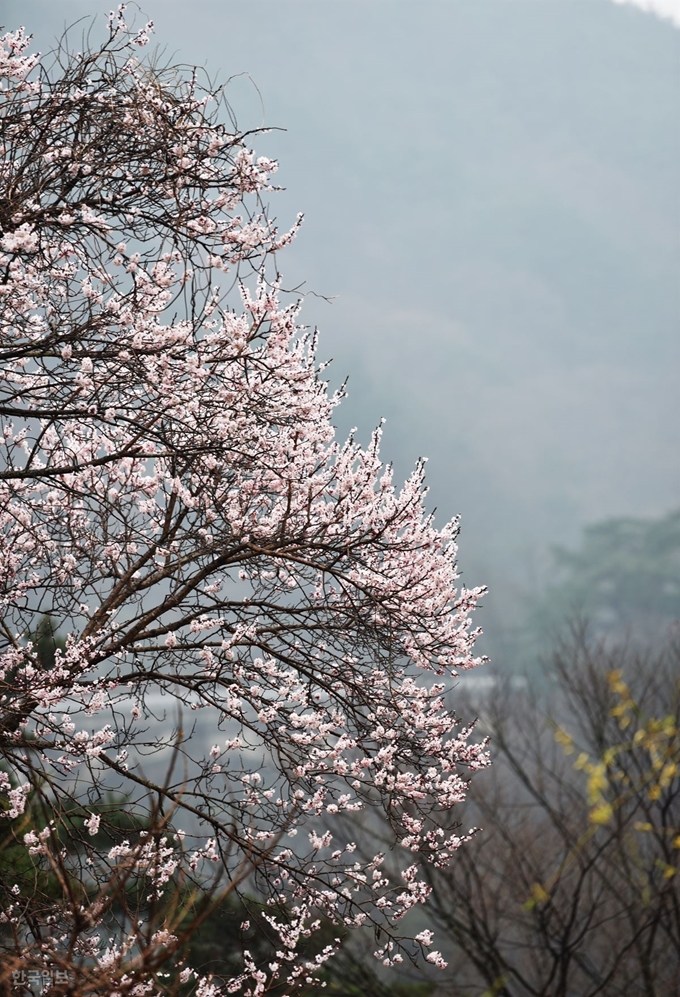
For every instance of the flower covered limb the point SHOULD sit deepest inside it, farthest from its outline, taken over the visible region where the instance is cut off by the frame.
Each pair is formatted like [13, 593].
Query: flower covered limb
[173, 500]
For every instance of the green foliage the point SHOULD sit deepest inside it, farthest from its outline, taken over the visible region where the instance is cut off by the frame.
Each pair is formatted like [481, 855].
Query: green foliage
[46, 642]
[118, 821]
[17, 867]
[622, 580]
[626, 573]
[39, 881]
[365, 982]
[216, 948]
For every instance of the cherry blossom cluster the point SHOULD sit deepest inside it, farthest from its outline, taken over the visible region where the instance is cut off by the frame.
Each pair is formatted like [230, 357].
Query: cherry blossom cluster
[214, 562]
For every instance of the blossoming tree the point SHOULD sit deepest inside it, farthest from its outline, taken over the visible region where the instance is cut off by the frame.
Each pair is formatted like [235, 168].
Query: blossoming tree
[174, 502]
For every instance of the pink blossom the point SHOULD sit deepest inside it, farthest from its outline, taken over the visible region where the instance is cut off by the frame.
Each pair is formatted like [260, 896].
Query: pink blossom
[174, 494]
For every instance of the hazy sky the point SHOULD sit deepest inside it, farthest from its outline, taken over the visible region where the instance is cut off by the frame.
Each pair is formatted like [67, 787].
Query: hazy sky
[491, 192]
[668, 9]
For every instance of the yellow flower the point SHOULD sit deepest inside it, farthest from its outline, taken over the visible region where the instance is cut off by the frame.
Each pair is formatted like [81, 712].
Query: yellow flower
[566, 740]
[609, 756]
[597, 781]
[601, 814]
[539, 895]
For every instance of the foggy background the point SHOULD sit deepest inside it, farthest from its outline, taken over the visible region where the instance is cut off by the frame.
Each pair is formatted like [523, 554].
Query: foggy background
[491, 196]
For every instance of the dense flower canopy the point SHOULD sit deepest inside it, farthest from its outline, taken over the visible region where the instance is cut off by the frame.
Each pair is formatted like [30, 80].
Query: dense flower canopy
[174, 502]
